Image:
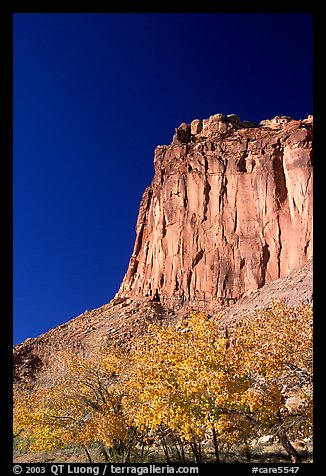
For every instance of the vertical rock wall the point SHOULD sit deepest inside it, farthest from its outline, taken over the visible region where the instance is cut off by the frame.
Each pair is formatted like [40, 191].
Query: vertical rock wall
[229, 210]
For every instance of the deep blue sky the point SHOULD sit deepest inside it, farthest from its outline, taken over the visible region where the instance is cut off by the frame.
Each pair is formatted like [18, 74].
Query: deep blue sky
[93, 96]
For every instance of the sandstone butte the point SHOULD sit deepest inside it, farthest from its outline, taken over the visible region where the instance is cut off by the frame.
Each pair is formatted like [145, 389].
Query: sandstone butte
[229, 210]
[225, 224]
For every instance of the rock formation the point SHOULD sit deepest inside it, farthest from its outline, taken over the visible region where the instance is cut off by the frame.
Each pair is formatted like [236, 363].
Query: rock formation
[229, 210]
[122, 320]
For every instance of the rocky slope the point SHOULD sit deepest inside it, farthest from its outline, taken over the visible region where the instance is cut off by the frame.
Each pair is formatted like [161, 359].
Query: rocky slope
[122, 320]
[226, 225]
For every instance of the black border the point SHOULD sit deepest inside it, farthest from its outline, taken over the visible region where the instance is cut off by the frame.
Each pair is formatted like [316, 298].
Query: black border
[6, 201]
[7, 10]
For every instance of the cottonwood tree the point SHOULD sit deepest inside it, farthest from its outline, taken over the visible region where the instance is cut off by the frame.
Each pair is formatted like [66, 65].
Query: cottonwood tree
[197, 381]
[78, 403]
[180, 380]
[273, 348]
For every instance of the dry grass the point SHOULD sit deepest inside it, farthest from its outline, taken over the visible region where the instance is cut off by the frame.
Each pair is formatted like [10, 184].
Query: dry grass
[260, 453]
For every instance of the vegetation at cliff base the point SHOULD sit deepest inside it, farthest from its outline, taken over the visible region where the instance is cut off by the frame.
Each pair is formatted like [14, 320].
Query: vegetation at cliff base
[196, 391]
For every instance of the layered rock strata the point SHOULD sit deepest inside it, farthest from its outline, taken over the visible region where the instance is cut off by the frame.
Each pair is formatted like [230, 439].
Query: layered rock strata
[228, 211]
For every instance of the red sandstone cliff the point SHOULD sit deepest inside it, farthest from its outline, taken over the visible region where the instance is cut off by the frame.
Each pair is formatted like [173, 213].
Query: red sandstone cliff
[229, 210]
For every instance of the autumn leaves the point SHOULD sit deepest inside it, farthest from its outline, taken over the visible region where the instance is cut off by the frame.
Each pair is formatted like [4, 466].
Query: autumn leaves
[191, 392]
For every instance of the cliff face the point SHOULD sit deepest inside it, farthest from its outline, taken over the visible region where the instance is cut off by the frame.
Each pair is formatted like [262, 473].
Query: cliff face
[229, 210]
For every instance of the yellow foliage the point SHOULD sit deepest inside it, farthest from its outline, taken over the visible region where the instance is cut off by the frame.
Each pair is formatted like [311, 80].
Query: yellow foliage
[189, 378]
